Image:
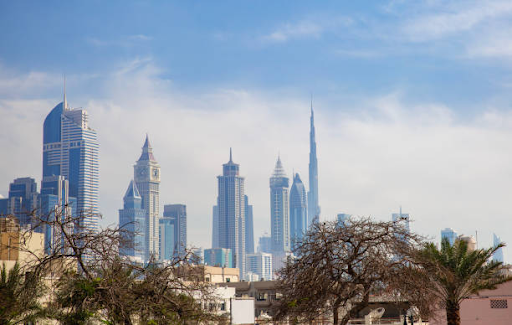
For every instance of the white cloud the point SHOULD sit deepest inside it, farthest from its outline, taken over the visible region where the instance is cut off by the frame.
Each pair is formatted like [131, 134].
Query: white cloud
[445, 172]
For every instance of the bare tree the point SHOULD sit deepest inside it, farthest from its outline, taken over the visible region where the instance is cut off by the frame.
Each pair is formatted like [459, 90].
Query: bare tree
[338, 266]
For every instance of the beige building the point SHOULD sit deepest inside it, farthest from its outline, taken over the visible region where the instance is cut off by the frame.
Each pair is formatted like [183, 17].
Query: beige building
[16, 246]
[216, 274]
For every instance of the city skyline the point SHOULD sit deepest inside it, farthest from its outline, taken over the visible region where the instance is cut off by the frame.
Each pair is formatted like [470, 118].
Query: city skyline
[407, 112]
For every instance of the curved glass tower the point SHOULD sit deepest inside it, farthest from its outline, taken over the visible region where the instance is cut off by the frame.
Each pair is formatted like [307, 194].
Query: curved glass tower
[298, 210]
[279, 209]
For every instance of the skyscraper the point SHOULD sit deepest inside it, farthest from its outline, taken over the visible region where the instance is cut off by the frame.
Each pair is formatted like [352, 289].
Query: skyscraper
[231, 208]
[132, 220]
[313, 207]
[260, 264]
[167, 239]
[449, 234]
[249, 227]
[498, 255]
[401, 217]
[25, 190]
[279, 210]
[70, 149]
[298, 210]
[215, 226]
[147, 179]
[55, 204]
[221, 257]
[265, 243]
[177, 214]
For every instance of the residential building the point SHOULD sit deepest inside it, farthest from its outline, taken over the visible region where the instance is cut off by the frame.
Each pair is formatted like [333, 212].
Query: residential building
[221, 257]
[279, 210]
[449, 234]
[313, 206]
[215, 274]
[177, 214]
[260, 264]
[231, 206]
[249, 227]
[147, 179]
[298, 210]
[70, 149]
[132, 220]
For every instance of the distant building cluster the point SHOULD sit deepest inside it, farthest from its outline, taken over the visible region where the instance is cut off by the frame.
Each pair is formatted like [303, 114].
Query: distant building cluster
[70, 187]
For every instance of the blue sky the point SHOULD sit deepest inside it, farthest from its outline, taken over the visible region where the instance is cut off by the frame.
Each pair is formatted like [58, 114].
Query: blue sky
[413, 100]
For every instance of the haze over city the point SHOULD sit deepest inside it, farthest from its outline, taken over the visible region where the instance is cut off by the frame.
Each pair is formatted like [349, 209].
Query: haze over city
[412, 103]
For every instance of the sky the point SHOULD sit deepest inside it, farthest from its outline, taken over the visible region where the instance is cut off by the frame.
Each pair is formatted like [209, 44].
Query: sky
[412, 99]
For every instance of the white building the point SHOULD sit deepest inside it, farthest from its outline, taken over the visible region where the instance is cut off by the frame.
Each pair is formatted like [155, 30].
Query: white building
[261, 264]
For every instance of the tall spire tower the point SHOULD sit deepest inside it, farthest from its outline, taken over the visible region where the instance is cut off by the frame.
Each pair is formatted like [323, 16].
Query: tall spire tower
[313, 207]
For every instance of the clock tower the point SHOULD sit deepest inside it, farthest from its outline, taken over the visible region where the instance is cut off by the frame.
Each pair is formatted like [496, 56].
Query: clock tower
[147, 179]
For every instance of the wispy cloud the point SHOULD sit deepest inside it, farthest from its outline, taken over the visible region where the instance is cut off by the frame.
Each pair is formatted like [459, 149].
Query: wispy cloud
[125, 41]
[306, 28]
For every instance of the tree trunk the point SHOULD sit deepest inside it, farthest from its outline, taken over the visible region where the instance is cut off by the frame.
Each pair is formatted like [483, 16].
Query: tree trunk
[335, 313]
[452, 313]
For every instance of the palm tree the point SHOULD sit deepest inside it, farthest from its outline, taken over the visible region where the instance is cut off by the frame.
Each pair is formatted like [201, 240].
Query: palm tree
[455, 272]
[19, 295]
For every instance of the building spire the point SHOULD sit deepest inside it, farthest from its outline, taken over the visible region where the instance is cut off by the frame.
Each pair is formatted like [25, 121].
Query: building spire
[230, 155]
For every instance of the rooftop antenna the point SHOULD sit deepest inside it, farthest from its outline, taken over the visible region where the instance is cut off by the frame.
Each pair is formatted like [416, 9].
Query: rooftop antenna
[230, 155]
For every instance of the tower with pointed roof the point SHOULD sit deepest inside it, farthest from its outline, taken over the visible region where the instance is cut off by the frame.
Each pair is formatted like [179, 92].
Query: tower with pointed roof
[132, 220]
[298, 210]
[313, 207]
[147, 179]
[231, 213]
[279, 210]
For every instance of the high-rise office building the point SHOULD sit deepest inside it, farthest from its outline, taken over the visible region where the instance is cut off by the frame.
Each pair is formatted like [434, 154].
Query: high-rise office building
[402, 218]
[221, 257]
[177, 214]
[24, 192]
[260, 264]
[498, 255]
[55, 204]
[298, 210]
[147, 179]
[215, 226]
[249, 227]
[70, 149]
[449, 234]
[313, 207]
[343, 217]
[231, 206]
[279, 210]
[265, 244]
[167, 239]
[132, 221]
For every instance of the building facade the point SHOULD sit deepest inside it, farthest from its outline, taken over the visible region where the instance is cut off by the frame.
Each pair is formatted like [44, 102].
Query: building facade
[249, 227]
[177, 215]
[132, 221]
[279, 209]
[449, 234]
[70, 149]
[298, 210]
[265, 243]
[402, 218]
[23, 192]
[231, 209]
[147, 179]
[313, 206]
[260, 264]
[221, 257]
[215, 226]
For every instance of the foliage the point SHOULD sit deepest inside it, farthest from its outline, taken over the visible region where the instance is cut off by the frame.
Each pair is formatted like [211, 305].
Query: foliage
[338, 266]
[19, 293]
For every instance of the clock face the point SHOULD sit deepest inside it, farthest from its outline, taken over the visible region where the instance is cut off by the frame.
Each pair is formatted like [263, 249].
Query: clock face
[155, 173]
[142, 172]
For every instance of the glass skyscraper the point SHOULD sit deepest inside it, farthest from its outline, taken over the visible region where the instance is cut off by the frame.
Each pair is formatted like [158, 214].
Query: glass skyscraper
[249, 227]
[231, 213]
[313, 207]
[279, 210]
[298, 210]
[167, 238]
[147, 179]
[177, 216]
[221, 257]
[70, 149]
[498, 255]
[132, 220]
[449, 234]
